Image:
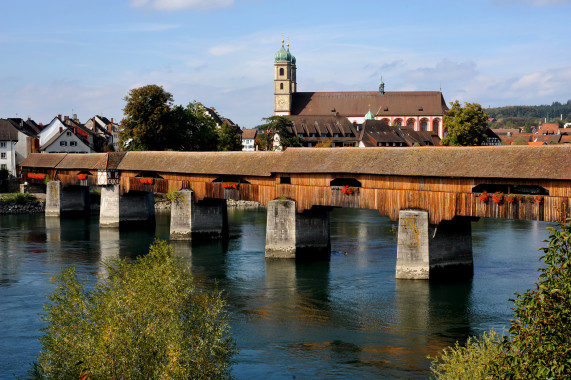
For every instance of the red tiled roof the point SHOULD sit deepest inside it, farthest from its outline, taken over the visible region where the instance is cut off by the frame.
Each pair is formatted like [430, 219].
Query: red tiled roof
[398, 103]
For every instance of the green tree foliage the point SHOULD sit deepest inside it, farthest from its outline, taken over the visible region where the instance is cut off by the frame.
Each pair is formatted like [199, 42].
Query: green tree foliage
[464, 126]
[195, 129]
[228, 139]
[540, 334]
[147, 124]
[474, 360]
[539, 342]
[145, 321]
[280, 126]
[152, 123]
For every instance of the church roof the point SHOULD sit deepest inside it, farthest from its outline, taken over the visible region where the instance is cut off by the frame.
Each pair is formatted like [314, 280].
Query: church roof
[395, 103]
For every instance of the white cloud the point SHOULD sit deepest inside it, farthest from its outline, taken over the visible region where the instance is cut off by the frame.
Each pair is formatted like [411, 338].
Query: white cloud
[174, 5]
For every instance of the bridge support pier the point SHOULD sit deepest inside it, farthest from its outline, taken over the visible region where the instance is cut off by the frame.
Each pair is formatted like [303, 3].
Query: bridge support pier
[427, 251]
[116, 209]
[290, 235]
[65, 200]
[207, 219]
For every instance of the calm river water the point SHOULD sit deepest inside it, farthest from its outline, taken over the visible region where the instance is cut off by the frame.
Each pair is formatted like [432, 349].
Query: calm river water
[347, 318]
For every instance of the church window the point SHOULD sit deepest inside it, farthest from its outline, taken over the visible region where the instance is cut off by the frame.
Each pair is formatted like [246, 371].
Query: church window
[281, 71]
[410, 123]
[423, 125]
[281, 86]
[435, 126]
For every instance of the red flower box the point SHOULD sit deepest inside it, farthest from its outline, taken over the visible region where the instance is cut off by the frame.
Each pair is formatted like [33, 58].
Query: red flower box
[498, 197]
[348, 190]
[511, 198]
[149, 181]
[231, 185]
[82, 176]
[36, 175]
[539, 199]
[484, 196]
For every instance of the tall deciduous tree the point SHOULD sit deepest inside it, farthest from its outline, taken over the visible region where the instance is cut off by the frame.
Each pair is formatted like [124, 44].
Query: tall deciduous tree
[465, 125]
[196, 130]
[148, 121]
[276, 133]
[152, 123]
[228, 139]
[145, 321]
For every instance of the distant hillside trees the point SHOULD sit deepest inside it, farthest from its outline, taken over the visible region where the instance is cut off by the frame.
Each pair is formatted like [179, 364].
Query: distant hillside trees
[464, 126]
[531, 115]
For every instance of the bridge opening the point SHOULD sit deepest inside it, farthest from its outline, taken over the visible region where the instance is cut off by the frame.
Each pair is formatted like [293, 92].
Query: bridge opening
[511, 189]
[148, 174]
[352, 182]
[231, 178]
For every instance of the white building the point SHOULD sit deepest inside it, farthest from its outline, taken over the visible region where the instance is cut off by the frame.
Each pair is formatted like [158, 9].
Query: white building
[8, 140]
[249, 139]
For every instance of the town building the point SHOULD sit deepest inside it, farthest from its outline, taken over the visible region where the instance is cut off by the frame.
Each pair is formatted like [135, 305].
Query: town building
[249, 139]
[421, 111]
[8, 140]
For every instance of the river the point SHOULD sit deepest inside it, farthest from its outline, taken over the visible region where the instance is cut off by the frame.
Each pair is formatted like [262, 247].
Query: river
[346, 318]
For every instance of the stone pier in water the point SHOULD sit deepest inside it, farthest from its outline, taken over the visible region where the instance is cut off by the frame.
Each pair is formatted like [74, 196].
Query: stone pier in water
[130, 208]
[291, 235]
[427, 251]
[207, 219]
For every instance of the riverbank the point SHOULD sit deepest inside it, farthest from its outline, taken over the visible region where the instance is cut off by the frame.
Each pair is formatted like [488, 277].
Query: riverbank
[30, 204]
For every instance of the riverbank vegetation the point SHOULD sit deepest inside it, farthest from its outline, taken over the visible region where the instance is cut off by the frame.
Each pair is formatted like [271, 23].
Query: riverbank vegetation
[146, 320]
[538, 344]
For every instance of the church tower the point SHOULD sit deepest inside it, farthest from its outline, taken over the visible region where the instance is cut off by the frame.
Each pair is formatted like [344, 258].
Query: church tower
[284, 81]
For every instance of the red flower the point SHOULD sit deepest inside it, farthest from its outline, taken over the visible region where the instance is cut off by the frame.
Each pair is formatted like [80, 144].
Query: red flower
[82, 176]
[539, 199]
[484, 196]
[498, 197]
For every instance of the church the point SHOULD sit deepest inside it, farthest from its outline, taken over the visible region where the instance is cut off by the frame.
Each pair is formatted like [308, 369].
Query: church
[343, 115]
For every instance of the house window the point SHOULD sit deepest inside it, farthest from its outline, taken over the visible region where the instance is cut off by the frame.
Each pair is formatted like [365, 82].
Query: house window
[68, 133]
[3, 155]
[73, 143]
[3, 166]
[300, 135]
[285, 180]
[2, 144]
[63, 143]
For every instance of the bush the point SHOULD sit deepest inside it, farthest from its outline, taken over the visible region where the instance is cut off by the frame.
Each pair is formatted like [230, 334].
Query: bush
[539, 342]
[146, 320]
[473, 360]
[18, 198]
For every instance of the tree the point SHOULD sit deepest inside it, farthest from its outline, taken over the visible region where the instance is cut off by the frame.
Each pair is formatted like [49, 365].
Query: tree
[539, 342]
[148, 121]
[152, 123]
[146, 320]
[540, 334]
[464, 126]
[228, 138]
[196, 130]
[276, 133]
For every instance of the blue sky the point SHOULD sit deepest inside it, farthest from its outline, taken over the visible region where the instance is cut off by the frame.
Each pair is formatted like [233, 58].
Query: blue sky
[81, 56]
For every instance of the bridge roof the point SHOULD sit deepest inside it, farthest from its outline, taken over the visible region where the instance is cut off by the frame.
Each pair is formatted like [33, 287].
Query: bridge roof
[517, 162]
[237, 163]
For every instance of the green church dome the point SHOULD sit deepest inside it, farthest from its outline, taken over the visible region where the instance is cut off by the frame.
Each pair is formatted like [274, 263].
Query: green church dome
[369, 115]
[283, 55]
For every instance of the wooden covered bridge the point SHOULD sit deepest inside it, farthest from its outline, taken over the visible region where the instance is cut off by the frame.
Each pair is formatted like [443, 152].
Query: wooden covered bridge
[434, 192]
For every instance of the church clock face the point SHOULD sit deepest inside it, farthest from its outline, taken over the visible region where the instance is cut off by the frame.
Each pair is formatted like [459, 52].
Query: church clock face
[281, 102]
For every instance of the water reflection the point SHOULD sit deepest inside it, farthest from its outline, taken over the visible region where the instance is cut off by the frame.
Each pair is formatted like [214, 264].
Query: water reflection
[344, 318]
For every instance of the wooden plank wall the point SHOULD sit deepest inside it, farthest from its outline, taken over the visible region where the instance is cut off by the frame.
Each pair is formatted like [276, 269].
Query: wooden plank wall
[443, 198]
